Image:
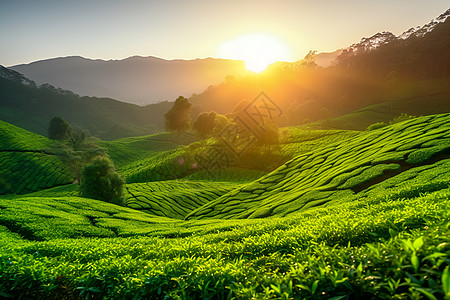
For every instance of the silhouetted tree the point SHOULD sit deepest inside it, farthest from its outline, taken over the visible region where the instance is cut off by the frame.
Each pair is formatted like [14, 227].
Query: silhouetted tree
[204, 124]
[178, 118]
[58, 129]
[99, 180]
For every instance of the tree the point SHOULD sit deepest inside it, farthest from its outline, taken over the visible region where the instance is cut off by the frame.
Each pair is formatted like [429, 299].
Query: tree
[178, 118]
[58, 129]
[205, 123]
[99, 180]
[72, 147]
[77, 138]
[76, 157]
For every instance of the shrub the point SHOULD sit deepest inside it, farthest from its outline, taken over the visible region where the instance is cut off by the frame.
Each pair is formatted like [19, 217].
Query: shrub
[99, 180]
[376, 126]
[400, 118]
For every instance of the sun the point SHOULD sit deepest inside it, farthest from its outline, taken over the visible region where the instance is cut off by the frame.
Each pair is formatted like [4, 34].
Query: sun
[257, 50]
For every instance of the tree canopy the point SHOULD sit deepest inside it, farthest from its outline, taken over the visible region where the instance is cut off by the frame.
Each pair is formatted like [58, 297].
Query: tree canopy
[99, 180]
[178, 118]
[205, 123]
[58, 129]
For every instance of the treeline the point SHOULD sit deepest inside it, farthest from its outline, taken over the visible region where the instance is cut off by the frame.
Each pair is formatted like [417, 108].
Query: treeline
[414, 58]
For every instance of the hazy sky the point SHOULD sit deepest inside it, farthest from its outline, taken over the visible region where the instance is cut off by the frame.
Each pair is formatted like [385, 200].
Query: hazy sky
[112, 29]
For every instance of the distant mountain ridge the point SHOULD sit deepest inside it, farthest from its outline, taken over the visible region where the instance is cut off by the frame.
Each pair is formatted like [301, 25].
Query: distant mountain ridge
[385, 37]
[29, 106]
[138, 80]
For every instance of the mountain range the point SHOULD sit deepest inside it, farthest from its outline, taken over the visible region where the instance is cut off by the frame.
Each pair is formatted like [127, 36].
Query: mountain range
[138, 80]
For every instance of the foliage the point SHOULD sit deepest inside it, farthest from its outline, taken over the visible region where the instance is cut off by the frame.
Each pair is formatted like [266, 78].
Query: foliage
[99, 180]
[178, 118]
[204, 124]
[375, 126]
[366, 218]
[336, 170]
[76, 154]
[378, 247]
[174, 198]
[58, 129]
[400, 118]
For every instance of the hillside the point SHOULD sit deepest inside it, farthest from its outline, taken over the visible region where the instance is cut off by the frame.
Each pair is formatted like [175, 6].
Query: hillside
[24, 104]
[137, 80]
[338, 170]
[365, 216]
[24, 166]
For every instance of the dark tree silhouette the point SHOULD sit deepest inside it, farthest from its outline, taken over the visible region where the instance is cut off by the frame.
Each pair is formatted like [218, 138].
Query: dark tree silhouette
[58, 129]
[205, 123]
[178, 118]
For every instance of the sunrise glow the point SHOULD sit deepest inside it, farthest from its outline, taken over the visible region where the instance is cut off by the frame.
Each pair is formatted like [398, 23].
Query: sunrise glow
[258, 50]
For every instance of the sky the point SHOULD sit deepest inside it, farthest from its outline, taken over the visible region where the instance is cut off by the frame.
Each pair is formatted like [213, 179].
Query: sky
[189, 29]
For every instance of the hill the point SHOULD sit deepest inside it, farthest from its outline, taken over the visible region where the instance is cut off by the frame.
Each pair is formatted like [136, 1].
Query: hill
[415, 99]
[365, 216]
[24, 166]
[26, 105]
[137, 80]
[336, 171]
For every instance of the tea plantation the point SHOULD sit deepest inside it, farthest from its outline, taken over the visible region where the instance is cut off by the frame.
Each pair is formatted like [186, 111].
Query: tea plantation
[24, 166]
[346, 215]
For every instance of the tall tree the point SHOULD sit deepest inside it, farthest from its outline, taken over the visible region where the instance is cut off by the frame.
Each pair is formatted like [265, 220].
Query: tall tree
[58, 129]
[178, 118]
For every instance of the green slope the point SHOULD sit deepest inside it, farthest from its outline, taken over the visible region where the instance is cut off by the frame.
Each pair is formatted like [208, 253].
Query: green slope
[367, 218]
[382, 247]
[24, 104]
[24, 167]
[127, 151]
[174, 198]
[338, 170]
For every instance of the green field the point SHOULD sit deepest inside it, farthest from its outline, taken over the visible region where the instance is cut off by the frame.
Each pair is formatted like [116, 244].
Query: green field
[345, 215]
[24, 166]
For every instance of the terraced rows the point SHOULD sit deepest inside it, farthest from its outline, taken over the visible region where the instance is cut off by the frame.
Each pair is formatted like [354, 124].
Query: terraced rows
[166, 165]
[24, 167]
[174, 198]
[41, 218]
[128, 150]
[297, 141]
[13, 138]
[337, 171]
[23, 172]
[229, 175]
